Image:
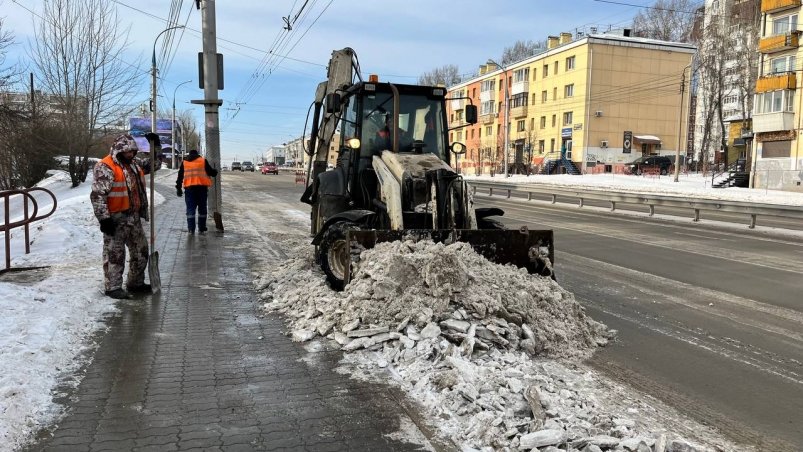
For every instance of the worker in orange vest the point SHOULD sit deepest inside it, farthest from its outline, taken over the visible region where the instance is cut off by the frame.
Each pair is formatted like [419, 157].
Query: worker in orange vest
[120, 203]
[195, 176]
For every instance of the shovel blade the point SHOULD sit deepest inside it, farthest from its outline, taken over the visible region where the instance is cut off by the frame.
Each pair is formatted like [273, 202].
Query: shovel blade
[153, 272]
[523, 248]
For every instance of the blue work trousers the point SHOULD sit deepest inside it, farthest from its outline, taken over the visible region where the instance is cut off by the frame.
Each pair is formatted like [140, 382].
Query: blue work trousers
[195, 198]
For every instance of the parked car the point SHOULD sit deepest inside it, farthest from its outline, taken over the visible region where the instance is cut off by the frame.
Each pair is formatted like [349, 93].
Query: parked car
[270, 168]
[236, 166]
[248, 166]
[651, 163]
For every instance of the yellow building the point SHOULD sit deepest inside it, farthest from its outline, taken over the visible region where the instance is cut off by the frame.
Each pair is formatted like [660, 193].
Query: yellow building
[777, 158]
[583, 105]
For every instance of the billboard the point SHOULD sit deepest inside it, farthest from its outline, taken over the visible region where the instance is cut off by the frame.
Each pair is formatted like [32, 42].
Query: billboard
[138, 127]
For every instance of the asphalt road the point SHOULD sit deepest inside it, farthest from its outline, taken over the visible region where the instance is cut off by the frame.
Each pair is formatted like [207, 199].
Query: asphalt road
[709, 317]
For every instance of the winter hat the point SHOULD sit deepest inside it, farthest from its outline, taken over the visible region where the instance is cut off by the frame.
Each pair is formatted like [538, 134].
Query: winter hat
[124, 142]
[193, 152]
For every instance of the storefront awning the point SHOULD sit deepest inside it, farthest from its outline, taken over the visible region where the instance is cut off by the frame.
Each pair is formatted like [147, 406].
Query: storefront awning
[647, 139]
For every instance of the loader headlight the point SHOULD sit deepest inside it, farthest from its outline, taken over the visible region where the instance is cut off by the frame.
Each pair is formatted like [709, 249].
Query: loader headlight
[353, 143]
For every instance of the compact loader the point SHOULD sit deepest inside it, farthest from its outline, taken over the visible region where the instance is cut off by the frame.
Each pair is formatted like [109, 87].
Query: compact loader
[394, 180]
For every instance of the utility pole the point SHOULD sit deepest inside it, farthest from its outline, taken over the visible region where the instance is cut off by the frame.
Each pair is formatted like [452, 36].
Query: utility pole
[680, 121]
[211, 105]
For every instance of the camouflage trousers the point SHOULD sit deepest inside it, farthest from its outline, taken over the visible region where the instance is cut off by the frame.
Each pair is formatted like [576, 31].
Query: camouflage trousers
[129, 233]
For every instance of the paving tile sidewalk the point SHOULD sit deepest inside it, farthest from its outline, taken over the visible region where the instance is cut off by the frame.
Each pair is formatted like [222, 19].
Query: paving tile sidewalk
[196, 368]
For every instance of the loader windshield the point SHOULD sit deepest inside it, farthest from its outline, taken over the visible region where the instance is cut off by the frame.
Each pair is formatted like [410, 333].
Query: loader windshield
[420, 123]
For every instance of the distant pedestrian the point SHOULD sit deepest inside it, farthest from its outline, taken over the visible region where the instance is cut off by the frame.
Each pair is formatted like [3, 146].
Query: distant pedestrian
[120, 202]
[195, 175]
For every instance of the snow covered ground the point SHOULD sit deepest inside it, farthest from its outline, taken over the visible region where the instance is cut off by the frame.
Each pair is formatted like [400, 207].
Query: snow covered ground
[47, 324]
[691, 185]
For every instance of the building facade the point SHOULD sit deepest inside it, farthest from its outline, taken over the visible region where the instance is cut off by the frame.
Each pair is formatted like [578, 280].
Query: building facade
[586, 105]
[777, 118]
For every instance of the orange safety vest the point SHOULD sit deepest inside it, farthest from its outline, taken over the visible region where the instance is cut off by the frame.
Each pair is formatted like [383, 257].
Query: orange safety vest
[118, 199]
[195, 173]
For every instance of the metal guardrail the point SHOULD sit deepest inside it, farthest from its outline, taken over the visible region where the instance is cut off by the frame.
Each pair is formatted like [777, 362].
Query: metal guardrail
[8, 225]
[650, 200]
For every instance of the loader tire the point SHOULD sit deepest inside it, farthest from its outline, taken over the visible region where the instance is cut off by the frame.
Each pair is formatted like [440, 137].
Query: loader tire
[333, 253]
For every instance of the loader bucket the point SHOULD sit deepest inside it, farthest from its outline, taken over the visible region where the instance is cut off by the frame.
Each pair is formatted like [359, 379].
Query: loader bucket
[523, 248]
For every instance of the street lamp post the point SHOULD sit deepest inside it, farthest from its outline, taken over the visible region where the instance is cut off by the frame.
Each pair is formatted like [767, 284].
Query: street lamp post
[173, 127]
[507, 117]
[153, 79]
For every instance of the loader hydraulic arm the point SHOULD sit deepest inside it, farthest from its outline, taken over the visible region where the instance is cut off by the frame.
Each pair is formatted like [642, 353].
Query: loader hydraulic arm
[326, 114]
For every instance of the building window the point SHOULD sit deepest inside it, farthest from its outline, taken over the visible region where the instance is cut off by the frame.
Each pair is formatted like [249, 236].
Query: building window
[541, 146]
[568, 90]
[543, 122]
[472, 133]
[459, 135]
[546, 71]
[489, 130]
[782, 64]
[775, 101]
[518, 100]
[487, 107]
[532, 123]
[776, 149]
[552, 145]
[556, 67]
[570, 63]
[554, 120]
[521, 75]
[783, 25]
[520, 126]
[543, 97]
[487, 85]
[555, 93]
[567, 118]
[451, 116]
[533, 99]
[459, 114]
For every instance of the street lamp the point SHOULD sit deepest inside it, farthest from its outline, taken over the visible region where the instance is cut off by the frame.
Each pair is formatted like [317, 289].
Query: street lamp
[153, 78]
[173, 126]
[507, 115]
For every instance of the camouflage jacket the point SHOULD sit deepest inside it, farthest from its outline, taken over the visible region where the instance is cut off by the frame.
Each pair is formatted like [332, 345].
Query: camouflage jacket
[102, 186]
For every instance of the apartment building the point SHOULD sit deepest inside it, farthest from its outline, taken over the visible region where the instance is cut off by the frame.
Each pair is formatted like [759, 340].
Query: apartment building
[777, 118]
[585, 104]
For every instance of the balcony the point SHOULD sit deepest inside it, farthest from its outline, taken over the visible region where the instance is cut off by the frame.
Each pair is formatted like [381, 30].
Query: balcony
[488, 118]
[774, 6]
[773, 82]
[486, 96]
[779, 43]
[519, 87]
[773, 122]
[457, 104]
[518, 112]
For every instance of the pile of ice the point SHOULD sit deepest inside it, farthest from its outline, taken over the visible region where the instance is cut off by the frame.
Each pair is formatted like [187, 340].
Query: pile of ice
[460, 334]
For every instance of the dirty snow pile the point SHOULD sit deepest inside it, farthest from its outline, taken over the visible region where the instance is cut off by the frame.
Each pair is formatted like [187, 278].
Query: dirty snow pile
[465, 336]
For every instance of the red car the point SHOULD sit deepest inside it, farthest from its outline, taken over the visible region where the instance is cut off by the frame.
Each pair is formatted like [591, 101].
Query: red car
[270, 168]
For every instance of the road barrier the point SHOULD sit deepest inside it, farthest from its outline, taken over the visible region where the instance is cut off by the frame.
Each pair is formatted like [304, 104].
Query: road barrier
[301, 176]
[8, 225]
[650, 200]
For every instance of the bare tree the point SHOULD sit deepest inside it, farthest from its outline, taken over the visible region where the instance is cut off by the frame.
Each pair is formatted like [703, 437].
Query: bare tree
[746, 17]
[521, 50]
[78, 53]
[667, 20]
[446, 75]
[189, 128]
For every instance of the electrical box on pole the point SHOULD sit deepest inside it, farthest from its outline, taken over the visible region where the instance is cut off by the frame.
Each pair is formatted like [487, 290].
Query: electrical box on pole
[219, 71]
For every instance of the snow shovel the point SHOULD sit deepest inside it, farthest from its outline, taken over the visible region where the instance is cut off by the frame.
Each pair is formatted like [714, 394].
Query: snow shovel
[216, 216]
[153, 259]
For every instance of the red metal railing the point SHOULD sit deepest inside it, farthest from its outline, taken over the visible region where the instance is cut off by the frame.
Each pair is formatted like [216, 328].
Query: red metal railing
[8, 225]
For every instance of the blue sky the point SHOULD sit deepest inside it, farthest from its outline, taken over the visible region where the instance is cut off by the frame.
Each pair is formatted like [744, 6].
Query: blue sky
[399, 40]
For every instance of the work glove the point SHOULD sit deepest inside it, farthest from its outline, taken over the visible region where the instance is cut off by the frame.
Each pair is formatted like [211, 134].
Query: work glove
[154, 138]
[179, 193]
[107, 226]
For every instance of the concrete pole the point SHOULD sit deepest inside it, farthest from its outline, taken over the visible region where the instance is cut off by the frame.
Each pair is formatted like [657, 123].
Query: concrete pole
[680, 121]
[211, 106]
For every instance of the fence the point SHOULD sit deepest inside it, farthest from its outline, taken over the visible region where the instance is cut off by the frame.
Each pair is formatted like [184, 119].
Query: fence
[8, 225]
[751, 209]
